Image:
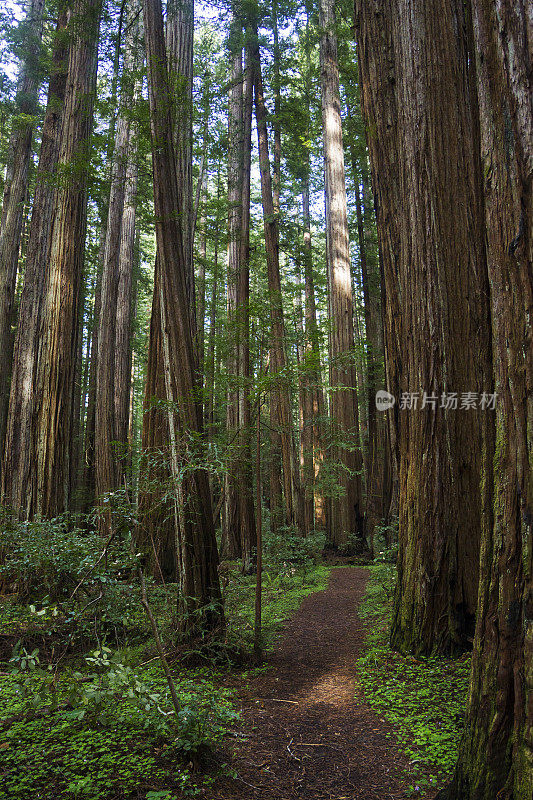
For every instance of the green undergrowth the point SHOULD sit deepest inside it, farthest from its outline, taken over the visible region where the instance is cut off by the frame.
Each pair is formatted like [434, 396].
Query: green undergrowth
[423, 699]
[95, 720]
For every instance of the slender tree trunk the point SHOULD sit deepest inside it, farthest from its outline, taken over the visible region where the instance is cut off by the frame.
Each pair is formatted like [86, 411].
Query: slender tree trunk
[246, 499]
[496, 755]
[436, 296]
[232, 543]
[346, 509]
[197, 554]
[18, 489]
[314, 399]
[15, 189]
[125, 295]
[210, 365]
[293, 500]
[113, 369]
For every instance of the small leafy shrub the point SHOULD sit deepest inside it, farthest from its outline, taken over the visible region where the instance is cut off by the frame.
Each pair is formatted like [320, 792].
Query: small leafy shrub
[48, 558]
[110, 693]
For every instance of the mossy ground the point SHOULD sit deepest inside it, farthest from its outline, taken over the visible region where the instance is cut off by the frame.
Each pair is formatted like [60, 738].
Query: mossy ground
[50, 754]
[423, 699]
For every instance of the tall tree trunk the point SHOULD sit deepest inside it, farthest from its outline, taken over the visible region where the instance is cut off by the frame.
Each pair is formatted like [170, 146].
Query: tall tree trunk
[292, 496]
[15, 189]
[232, 543]
[114, 321]
[437, 300]
[210, 364]
[346, 508]
[314, 403]
[246, 499]
[197, 554]
[18, 491]
[58, 346]
[496, 755]
[125, 297]
[159, 514]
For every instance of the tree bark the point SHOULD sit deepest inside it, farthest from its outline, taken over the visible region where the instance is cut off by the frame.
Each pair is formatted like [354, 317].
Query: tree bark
[436, 295]
[314, 402]
[496, 756]
[15, 190]
[197, 553]
[292, 496]
[113, 367]
[18, 490]
[347, 520]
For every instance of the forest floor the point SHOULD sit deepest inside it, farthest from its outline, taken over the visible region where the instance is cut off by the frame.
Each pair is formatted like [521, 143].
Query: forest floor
[306, 730]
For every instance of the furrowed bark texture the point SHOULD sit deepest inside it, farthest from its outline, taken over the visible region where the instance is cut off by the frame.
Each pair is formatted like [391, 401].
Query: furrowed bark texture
[15, 190]
[420, 116]
[496, 758]
[58, 345]
[347, 521]
[197, 552]
[18, 490]
[159, 513]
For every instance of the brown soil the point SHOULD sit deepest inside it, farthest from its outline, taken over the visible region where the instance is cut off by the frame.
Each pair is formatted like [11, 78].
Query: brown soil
[323, 742]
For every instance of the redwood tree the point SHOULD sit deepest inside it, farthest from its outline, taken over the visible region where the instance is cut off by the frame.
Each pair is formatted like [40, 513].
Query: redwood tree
[18, 489]
[15, 190]
[420, 112]
[347, 506]
[197, 551]
[496, 757]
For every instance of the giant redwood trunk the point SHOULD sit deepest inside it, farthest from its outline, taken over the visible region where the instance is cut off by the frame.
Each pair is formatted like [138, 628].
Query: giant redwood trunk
[346, 507]
[18, 490]
[418, 80]
[56, 304]
[496, 758]
[15, 190]
[197, 551]
[158, 512]
[58, 345]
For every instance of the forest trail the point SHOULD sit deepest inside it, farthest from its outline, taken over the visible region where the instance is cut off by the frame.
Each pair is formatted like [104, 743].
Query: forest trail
[326, 743]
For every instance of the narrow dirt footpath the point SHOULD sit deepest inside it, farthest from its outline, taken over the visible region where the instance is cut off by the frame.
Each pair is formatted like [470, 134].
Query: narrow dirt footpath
[308, 733]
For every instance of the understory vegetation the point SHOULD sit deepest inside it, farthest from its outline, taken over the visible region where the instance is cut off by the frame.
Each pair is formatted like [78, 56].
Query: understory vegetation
[85, 706]
[423, 699]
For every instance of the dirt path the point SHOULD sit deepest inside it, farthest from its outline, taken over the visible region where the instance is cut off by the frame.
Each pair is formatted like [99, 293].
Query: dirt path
[325, 744]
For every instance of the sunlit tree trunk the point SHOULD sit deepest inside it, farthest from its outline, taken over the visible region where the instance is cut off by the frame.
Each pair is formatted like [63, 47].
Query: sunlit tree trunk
[347, 519]
[18, 488]
[496, 757]
[15, 190]
[436, 295]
